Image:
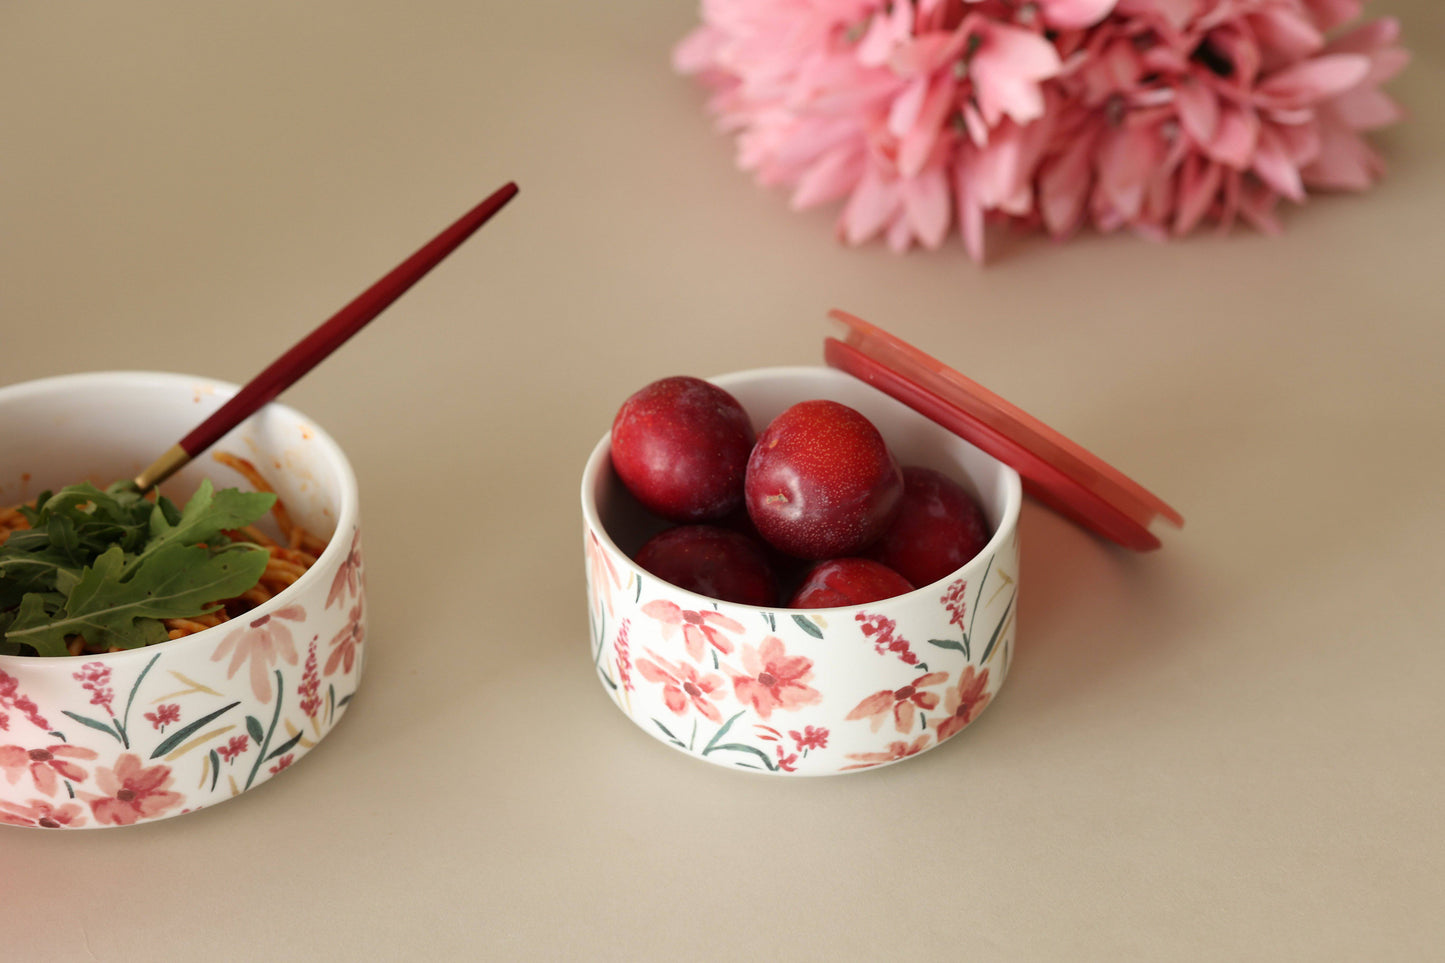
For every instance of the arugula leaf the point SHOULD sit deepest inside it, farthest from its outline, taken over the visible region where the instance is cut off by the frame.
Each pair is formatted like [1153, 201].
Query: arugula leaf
[178, 582]
[206, 515]
[111, 564]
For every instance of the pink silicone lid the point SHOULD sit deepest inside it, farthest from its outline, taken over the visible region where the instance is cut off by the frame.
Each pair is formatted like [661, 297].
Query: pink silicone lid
[1054, 470]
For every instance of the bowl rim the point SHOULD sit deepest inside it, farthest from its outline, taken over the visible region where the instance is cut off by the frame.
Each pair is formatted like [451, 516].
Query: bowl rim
[347, 504]
[599, 460]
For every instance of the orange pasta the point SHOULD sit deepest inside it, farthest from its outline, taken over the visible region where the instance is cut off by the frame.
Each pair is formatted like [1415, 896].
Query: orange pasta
[288, 561]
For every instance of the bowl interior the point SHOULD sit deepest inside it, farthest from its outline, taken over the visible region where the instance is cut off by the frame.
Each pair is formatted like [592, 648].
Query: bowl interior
[767, 392]
[106, 426]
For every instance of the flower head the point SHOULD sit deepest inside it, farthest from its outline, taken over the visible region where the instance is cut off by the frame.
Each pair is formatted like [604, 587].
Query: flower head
[1155, 115]
[963, 702]
[261, 643]
[683, 685]
[771, 679]
[131, 791]
[700, 628]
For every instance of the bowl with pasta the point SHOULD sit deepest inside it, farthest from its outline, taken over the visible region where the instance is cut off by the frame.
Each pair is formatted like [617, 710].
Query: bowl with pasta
[160, 653]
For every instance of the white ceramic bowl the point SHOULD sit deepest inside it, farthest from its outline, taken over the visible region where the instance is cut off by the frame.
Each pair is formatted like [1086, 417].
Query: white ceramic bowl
[809, 692]
[148, 733]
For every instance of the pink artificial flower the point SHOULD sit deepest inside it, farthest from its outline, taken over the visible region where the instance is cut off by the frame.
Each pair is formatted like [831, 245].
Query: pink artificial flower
[131, 791]
[1155, 115]
[772, 679]
[682, 685]
[700, 628]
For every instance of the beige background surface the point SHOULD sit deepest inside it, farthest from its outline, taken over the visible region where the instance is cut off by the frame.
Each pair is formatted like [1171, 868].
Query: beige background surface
[1228, 749]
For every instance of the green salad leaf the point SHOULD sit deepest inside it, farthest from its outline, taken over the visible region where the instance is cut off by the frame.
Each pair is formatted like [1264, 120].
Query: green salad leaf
[110, 565]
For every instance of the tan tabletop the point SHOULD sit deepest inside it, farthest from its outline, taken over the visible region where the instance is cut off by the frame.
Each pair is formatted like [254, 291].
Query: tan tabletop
[1228, 749]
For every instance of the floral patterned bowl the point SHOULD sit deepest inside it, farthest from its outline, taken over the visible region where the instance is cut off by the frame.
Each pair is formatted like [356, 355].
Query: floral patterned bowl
[808, 692]
[132, 736]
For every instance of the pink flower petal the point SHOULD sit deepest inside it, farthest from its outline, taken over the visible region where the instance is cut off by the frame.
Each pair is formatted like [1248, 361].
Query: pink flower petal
[832, 177]
[1234, 138]
[1286, 33]
[917, 145]
[1198, 185]
[1074, 14]
[1256, 205]
[1198, 109]
[1127, 158]
[1312, 81]
[872, 204]
[1346, 162]
[1329, 14]
[1275, 168]
[926, 202]
[970, 214]
[1064, 185]
[1366, 108]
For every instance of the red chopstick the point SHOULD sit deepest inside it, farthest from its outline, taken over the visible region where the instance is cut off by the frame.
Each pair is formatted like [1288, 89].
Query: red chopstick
[320, 343]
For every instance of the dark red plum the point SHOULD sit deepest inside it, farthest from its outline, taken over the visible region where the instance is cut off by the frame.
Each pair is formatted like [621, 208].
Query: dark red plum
[821, 482]
[938, 528]
[681, 446]
[848, 581]
[712, 561]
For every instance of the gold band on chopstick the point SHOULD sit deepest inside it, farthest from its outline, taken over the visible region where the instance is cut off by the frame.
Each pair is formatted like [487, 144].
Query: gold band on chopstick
[162, 468]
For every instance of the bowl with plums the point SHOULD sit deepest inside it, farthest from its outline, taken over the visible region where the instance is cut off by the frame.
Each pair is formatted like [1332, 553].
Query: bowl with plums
[165, 651]
[790, 571]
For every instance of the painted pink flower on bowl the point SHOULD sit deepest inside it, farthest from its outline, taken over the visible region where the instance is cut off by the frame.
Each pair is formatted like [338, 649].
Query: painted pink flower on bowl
[895, 751]
[233, 748]
[700, 628]
[683, 685]
[46, 766]
[883, 633]
[43, 814]
[11, 698]
[94, 677]
[131, 791]
[604, 574]
[953, 600]
[771, 679]
[346, 643]
[165, 714]
[812, 737]
[346, 583]
[261, 643]
[902, 704]
[963, 702]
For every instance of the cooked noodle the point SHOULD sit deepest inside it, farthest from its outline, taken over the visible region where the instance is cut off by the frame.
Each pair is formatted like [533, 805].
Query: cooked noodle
[288, 561]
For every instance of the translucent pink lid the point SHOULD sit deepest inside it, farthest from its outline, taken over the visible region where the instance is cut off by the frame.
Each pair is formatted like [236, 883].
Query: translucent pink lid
[1054, 469]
